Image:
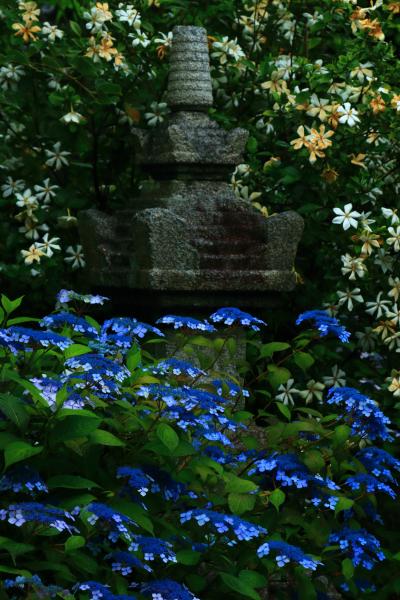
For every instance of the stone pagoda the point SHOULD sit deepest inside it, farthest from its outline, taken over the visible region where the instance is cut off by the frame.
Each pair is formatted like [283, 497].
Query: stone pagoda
[190, 240]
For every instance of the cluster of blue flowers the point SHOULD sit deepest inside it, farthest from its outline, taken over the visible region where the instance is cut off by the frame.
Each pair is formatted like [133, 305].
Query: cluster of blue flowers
[114, 523]
[152, 548]
[99, 591]
[173, 366]
[23, 479]
[238, 529]
[125, 563]
[67, 319]
[370, 483]
[362, 547]
[286, 553]
[36, 512]
[379, 463]
[18, 339]
[166, 589]
[186, 323]
[325, 324]
[129, 327]
[35, 583]
[66, 296]
[49, 388]
[235, 316]
[95, 373]
[362, 413]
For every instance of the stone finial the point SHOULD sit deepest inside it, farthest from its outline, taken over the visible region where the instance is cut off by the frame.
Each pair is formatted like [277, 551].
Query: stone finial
[189, 82]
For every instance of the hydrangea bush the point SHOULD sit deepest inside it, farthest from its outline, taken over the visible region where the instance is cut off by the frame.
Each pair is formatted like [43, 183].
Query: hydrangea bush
[128, 475]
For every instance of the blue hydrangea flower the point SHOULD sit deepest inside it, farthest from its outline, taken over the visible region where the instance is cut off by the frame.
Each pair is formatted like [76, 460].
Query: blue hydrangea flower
[152, 548]
[136, 479]
[23, 338]
[234, 390]
[125, 563]
[49, 389]
[370, 483]
[44, 591]
[23, 479]
[65, 319]
[185, 323]
[128, 327]
[115, 523]
[96, 373]
[98, 591]
[176, 367]
[35, 512]
[362, 547]
[286, 553]
[65, 296]
[325, 324]
[363, 413]
[234, 316]
[379, 463]
[222, 523]
[166, 589]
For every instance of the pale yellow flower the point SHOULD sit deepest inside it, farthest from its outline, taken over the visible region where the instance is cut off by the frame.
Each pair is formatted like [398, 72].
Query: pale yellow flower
[33, 254]
[26, 30]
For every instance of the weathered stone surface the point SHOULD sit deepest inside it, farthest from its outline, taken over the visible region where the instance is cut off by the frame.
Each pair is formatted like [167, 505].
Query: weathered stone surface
[189, 233]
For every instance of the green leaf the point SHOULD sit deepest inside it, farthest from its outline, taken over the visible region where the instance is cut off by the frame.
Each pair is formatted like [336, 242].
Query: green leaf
[277, 498]
[343, 504]
[75, 28]
[15, 548]
[278, 375]
[253, 579]
[347, 568]
[285, 410]
[252, 145]
[74, 542]
[27, 385]
[105, 438]
[268, 350]
[76, 350]
[17, 451]
[239, 586]
[10, 305]
[341, 434]
[314, 460]
[241, 503]
[133, 359]
[188, 557]
[236, 484]
[304, 360]
[75, 426]
[73, 482]
[167, 436]
[15, 410]
[19, 320]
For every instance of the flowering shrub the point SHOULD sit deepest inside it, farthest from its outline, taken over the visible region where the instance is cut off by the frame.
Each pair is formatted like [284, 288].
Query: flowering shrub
[129, 476]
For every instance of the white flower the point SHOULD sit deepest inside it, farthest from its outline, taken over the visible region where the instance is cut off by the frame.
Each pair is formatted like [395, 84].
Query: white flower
[27, 201]
[395, 290]
[347, 217]
[354, 266]
[384, 260]
[12, 186]
[128, 14]
[159, 111]
[391, 213]
[348, 296]
[287, 390]
[226, 48]
[365, 222]
[139, 39]
[56, 157]
[378, 307]
[363, 71]
[243, 193]
[10, 75]
[366, 339]
[77, 257]
[52, 32]
[394, 314]
[164, 40]
[313, 19]
[31, 228]
[348, 114]
[395, 240]
[46, 191]
[47, 246]
[72, 117]
[319, 107]
[96, 18]
[337, 379]
[314, 389]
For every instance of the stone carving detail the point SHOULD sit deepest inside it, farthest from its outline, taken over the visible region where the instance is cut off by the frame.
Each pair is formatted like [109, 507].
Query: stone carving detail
[190, 232]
